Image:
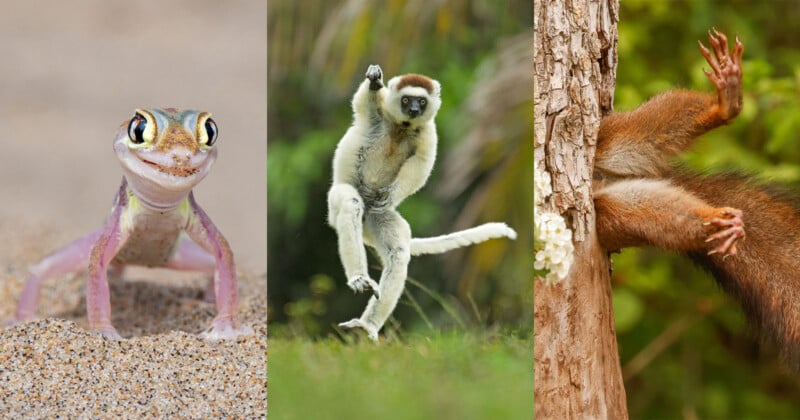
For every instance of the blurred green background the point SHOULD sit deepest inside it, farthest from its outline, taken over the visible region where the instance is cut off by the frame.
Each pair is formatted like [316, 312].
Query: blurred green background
[480, 52]
[686, 349]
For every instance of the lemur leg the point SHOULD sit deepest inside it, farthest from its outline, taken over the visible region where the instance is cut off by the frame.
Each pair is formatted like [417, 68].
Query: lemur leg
[72, 258]
[345, 214]
[391, 236]
[192, 257]
[640, 212]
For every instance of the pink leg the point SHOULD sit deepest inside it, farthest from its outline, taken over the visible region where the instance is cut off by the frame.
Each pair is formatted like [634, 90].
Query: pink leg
[202, 231]
[98, 298]
[191, 257]
[70, 259]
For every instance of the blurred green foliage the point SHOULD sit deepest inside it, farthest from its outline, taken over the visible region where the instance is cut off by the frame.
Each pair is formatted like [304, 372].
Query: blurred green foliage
[686, 348]
[318, 53]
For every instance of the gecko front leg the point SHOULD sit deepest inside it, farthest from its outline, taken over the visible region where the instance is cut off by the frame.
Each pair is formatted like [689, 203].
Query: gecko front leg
[109, 242]
[203, 232]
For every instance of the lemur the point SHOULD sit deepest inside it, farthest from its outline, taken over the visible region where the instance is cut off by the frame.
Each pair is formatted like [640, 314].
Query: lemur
[384, 157]
[640, 200]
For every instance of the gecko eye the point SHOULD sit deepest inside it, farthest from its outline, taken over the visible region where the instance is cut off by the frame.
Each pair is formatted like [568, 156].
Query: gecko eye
[136, 128]
[405, 99]
[211, 132]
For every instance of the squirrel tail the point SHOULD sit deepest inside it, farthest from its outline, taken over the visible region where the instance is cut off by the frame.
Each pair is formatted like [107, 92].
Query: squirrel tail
[765, 273]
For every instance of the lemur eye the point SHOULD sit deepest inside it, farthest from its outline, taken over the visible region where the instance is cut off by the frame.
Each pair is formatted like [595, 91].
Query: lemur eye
[211, 132]
[136, 128]
[422, 102]
[405, 99]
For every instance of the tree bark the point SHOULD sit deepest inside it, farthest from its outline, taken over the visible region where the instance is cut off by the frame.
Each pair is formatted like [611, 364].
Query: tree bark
[576, 362]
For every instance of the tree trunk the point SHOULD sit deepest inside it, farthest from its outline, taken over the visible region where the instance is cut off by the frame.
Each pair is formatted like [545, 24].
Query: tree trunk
[576, 362]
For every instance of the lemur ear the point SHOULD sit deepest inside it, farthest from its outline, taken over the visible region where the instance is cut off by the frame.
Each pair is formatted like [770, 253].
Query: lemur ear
[437, 89]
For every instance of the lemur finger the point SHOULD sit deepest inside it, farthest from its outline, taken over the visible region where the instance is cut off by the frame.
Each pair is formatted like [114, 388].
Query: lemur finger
[374, 72]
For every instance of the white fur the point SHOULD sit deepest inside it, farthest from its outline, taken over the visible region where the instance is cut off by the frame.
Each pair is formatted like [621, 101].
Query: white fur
[444, 243]
[383, 158]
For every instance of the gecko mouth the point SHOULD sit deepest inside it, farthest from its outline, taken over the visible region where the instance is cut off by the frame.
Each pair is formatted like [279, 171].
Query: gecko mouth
[175, 171]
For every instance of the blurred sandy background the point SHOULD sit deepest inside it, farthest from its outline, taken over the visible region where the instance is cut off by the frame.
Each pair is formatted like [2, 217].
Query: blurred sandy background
[70, 74]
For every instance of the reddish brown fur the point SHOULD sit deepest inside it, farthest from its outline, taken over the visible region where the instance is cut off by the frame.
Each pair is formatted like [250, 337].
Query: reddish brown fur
[415, 80]
[764, 273]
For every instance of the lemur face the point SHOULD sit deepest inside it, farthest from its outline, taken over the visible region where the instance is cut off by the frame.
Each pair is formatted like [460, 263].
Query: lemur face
[413, 99]
[413, 106]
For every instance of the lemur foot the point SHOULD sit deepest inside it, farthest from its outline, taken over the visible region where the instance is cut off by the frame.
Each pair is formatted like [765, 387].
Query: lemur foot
[727, 73]
[372, 332]
[729, 221]
[360, 283]
[375, 76]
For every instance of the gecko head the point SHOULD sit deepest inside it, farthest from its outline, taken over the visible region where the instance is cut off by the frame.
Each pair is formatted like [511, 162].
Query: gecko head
[167, 149]
[413, 99]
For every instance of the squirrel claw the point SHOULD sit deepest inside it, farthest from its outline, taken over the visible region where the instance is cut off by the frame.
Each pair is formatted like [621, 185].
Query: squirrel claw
[731, 232]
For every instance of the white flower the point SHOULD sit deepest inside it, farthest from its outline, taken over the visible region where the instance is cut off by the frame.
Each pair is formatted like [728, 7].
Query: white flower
[552, 246]
[541, 185]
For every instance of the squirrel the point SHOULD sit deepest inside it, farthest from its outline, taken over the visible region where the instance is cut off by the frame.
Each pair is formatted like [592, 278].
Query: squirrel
[641, 200]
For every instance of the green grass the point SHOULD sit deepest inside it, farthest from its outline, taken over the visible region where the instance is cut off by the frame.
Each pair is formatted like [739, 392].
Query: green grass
[433, 376]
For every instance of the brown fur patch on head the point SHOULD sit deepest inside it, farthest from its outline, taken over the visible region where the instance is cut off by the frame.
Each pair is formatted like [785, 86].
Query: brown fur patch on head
[419, 80]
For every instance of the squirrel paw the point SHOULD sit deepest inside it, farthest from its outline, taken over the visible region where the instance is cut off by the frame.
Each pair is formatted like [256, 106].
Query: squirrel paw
[726, 74]
[729, 229]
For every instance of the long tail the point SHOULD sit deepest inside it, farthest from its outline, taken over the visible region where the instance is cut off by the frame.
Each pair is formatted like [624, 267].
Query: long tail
[763, 275]
[444, 243]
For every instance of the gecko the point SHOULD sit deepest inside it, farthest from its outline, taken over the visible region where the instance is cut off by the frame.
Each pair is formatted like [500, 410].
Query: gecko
[155, 221]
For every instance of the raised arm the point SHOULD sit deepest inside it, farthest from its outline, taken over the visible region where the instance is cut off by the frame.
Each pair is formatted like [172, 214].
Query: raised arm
[642, 142]
[369, 97]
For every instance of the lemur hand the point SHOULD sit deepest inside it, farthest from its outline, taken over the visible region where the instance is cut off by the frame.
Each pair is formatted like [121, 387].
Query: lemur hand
[375, 76]
[361, 283]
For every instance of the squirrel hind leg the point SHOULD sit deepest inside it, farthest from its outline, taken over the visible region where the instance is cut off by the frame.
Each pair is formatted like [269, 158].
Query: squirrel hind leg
[639, 212]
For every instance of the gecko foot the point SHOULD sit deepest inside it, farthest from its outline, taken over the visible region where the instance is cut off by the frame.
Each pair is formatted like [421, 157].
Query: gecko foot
[372, 332]
[224, 329]
[360, 283]
[729, 229]
[108, 332]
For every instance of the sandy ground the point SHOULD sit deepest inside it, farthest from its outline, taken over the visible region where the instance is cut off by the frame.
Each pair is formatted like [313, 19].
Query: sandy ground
[71, 74]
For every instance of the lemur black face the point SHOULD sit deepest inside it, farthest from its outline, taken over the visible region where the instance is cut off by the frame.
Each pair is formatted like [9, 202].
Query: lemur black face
[413, 106]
